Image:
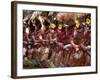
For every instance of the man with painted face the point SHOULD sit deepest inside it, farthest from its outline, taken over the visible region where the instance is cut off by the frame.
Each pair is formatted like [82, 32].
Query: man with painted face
[61, 34]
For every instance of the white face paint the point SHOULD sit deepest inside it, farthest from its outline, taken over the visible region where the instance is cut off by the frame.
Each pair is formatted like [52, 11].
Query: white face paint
[27, 30]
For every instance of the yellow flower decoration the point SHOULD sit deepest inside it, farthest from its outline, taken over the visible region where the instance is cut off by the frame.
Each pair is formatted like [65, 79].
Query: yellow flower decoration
[88, 21]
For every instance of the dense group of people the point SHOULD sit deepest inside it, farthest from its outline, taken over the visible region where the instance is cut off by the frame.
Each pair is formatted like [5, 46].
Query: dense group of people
[56, 39]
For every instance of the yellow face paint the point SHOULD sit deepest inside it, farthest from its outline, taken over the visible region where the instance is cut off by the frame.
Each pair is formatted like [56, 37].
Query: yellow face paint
[60, 26]
[77, 24]
[88, 21]
[52, 26]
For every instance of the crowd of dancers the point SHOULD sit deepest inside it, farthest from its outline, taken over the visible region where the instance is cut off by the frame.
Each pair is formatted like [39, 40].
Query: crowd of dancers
[56, 39]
